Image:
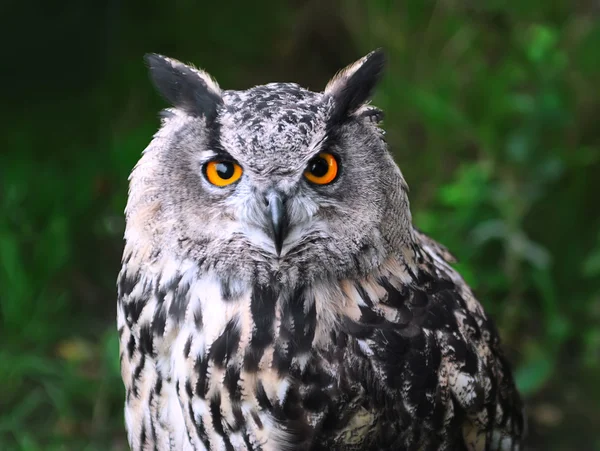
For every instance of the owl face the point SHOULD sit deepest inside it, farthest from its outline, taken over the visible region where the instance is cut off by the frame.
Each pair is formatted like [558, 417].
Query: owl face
[272, 180]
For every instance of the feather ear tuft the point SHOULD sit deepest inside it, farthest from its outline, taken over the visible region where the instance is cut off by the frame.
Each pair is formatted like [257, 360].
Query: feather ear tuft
[353, 86]
[184, 87]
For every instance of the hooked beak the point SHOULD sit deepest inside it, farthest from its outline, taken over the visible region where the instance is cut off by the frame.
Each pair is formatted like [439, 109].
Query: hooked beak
[277, 218]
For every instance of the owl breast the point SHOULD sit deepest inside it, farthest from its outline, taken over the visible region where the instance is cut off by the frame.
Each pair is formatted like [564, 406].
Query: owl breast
[400, 358]
[239, 365]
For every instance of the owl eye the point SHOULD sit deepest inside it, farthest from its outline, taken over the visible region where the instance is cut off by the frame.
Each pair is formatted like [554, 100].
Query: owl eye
[222, 173]
[322, 169]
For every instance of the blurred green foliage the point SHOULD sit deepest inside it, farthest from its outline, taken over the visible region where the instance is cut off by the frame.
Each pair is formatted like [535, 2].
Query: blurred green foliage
[491, 111]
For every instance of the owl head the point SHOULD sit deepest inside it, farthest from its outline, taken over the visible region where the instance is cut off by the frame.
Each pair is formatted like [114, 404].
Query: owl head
[272, 181]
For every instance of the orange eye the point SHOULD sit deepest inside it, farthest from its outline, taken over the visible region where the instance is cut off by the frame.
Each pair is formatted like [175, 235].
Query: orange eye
[222, 173]
[322, 169]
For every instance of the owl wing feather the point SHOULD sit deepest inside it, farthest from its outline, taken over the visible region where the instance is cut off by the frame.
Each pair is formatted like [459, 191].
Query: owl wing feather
[436, 356]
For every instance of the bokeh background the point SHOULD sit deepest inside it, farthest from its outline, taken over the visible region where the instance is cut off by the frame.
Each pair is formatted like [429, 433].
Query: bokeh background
[493, 114]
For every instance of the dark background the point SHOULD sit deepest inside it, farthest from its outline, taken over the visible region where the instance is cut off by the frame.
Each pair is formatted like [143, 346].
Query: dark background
[492, 113]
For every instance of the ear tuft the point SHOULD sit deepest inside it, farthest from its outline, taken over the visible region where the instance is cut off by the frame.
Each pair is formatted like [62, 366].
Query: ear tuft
[184, 87]
[353, 86]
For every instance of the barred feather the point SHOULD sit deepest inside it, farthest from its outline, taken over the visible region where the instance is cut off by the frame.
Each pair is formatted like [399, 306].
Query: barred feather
[259, 372]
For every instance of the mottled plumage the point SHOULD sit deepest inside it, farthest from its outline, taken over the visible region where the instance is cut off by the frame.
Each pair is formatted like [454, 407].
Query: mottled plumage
[278, 314]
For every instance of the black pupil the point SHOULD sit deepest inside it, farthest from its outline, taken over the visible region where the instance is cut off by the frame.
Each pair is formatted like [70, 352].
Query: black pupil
[225, 169]
[319, 167]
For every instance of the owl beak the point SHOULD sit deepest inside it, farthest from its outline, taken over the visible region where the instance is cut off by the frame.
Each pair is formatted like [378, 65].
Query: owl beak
[277, 218]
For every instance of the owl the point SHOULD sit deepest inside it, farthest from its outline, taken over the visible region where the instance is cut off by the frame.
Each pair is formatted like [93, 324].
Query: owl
[274, 294]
